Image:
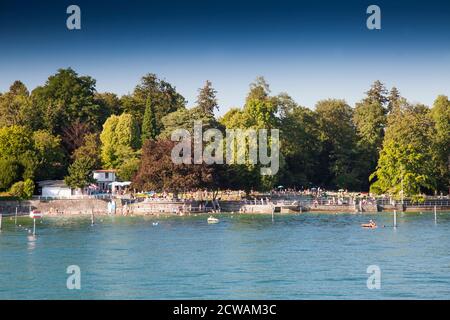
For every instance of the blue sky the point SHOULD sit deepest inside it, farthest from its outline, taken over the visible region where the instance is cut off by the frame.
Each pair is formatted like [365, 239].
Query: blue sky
[309, 49]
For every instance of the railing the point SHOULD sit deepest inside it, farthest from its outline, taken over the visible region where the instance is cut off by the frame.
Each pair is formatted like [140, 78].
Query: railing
[74, 197]
[409, 203]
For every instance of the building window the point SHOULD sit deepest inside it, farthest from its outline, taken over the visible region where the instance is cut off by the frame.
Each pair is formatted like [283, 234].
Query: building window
[106, 175]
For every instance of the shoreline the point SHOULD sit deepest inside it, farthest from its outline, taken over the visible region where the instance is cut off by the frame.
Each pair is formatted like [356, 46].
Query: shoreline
[217, 214]
[124, 207]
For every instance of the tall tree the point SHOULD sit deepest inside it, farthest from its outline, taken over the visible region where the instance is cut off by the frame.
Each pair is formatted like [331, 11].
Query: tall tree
[259, 89]
[378, 93]
[109, 104]
[149, 130]
[120, 140]
[10, 172]
[65, 98]
[164, 97]
[49, 155]
[16, 107]
[89, 149]
[80, 173]
[300, 147]
[338, 138]
[206, 100]
[440, 114]
[370, 121]
[17, 147]
[406, 162]
[394, 99]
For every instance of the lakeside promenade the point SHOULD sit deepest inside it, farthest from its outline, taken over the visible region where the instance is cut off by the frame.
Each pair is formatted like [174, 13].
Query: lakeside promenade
[277, 204]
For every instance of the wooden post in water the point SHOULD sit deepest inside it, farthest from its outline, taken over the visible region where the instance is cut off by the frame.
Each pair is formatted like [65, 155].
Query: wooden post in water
[92, 217]
[435, 214]
[1, 218]
[34, 227]
[395, 218]
[15, 218]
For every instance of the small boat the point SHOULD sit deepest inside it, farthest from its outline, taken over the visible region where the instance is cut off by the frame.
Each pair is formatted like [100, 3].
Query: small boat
[211, 219]
[155, 224]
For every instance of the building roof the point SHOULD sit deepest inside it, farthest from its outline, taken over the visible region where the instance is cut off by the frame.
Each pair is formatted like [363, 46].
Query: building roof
[105, 170]
[53, 183]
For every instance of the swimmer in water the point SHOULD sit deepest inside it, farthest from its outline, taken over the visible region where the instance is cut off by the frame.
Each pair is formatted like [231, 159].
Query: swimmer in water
[371, 224]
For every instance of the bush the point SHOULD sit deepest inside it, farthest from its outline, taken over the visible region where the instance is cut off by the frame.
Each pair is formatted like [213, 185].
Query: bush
[22, 189]
[10, 172]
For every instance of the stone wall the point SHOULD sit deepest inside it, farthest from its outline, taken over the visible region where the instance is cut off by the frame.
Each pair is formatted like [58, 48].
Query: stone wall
[56, 207]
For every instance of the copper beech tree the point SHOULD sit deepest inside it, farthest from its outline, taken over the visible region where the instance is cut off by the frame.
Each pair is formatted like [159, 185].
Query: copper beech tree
[159, 173]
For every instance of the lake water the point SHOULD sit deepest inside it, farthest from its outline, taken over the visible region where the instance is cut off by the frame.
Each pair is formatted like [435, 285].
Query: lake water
[308, 256]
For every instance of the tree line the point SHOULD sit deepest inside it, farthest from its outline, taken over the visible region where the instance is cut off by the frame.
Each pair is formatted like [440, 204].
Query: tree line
[64, 129]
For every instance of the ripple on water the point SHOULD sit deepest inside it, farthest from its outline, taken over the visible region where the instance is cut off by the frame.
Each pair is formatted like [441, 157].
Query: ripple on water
[306, 256]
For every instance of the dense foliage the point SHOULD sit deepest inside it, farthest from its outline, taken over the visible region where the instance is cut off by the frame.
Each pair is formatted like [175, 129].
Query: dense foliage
[66, 129]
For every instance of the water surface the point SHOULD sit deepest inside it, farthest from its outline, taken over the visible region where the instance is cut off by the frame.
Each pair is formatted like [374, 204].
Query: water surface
[308, 256]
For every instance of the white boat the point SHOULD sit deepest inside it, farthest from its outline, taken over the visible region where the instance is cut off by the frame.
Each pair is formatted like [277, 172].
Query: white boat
[211, 219]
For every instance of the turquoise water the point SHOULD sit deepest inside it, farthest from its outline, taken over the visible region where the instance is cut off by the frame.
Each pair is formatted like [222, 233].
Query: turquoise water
[308, 256]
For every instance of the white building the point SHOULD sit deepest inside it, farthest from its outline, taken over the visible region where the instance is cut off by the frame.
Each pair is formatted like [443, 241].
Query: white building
[104, 177]
[55, 188]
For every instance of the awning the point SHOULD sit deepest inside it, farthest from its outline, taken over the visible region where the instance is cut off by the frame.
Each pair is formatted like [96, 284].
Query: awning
[119, 184]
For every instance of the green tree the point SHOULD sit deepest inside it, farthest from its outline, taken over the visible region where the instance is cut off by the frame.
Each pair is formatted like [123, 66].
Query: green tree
[128, 169]
[15, 141]
[440, 114]
[378, 93]
[119, 138]
[67, 97]
[127, 131]
[300, 147]
[206, 100]
[406, 160]
[10, 172]
[149, 130]
[394, 99]
[164, 97]
[49, 156]
[80, 173]
[370, 121]
[15, 107]
[337, 134]
[16, 144]
[89, 149]
[185, 119]
[109, 141]
[259, 90]
[259, 112]
[109, 104]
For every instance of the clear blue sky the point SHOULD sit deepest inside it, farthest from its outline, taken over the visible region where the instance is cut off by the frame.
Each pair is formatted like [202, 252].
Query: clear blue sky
[309, 49]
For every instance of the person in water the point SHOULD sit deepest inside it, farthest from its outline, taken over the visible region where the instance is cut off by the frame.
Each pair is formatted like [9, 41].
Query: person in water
[371, 224]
